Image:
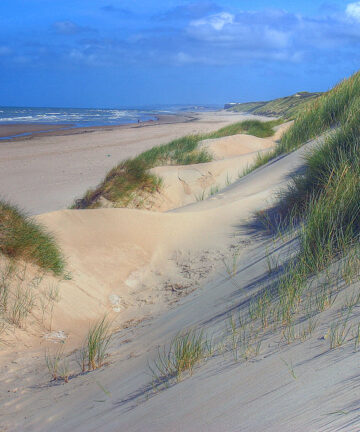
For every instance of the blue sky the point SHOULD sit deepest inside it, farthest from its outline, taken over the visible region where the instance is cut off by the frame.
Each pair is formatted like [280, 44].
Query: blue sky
[113, 53]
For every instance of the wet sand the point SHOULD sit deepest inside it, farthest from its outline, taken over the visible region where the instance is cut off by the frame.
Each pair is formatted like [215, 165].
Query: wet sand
[21, 131]
[11, 130]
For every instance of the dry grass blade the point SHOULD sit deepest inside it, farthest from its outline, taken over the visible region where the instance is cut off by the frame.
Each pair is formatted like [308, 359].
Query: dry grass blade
[338, 333]
[22, 303]
[57, 364]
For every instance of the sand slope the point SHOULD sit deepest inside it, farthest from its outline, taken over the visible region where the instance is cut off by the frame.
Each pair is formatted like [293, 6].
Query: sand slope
[137, 262]
[299, 387]
[132, 264]
[129, 252]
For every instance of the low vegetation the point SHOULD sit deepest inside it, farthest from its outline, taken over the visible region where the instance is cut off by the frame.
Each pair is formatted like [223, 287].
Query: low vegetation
[322, 207]
[130, 182]
[185, 351]
[91, 356]
[58, 365]
[23, 238]
[94, 350]
[23, 241]
[326, 199]
[26, 299]
[332, 109]
[287, 107]
[256, 128]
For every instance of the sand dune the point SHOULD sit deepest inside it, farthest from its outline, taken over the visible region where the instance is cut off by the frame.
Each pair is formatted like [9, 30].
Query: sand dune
[130, 261]
[127, 253]
[148, 261]
[183, 185]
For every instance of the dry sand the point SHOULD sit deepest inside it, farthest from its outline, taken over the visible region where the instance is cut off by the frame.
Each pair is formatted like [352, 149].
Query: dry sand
[166, 272]
[186, 184]
[46, 172]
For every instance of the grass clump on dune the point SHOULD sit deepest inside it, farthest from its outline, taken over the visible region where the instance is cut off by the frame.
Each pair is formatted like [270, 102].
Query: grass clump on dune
[327, 197]
[333, 109]
[95, 348]
[251, 127]
[23, 238]
[186, 350]
[323, 205]
[131, 178]
[330, 110]
[120, 185]
[130, 182]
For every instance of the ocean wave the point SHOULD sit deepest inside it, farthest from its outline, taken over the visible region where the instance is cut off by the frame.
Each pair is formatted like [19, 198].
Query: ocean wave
[83, 117]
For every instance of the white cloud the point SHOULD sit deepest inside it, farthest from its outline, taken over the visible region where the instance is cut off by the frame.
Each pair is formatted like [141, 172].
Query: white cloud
[82, 57]
[217, 21]
[276, 39]
[182, 57]
[69, 28]
[4, 50]
[353, 10]
[245, 32]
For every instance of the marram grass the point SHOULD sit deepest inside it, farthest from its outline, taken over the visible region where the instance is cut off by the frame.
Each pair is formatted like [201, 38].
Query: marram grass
[333, 109]
[21, 237]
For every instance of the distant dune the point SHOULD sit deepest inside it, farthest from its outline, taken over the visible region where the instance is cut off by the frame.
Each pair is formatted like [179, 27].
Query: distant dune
[286, 107]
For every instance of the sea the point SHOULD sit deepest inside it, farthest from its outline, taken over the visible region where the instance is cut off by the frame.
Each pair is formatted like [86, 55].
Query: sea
[82, 117]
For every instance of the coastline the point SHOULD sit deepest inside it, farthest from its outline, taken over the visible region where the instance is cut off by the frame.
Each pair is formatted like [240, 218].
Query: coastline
[26, 131]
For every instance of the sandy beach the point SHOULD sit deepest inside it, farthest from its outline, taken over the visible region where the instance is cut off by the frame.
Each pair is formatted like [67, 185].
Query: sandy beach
[46, 171]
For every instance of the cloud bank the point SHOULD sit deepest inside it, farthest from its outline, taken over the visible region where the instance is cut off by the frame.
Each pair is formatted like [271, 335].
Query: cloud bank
[196, 33]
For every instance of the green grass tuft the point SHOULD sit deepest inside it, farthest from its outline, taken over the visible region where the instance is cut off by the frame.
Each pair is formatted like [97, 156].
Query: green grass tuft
[330, 110]
[251, 127]
[23, 238]
[185, 351]
[94, 350]
[338, 107]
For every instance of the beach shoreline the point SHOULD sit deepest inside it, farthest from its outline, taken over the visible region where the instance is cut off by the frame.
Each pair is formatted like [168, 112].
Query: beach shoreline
[20, 131]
